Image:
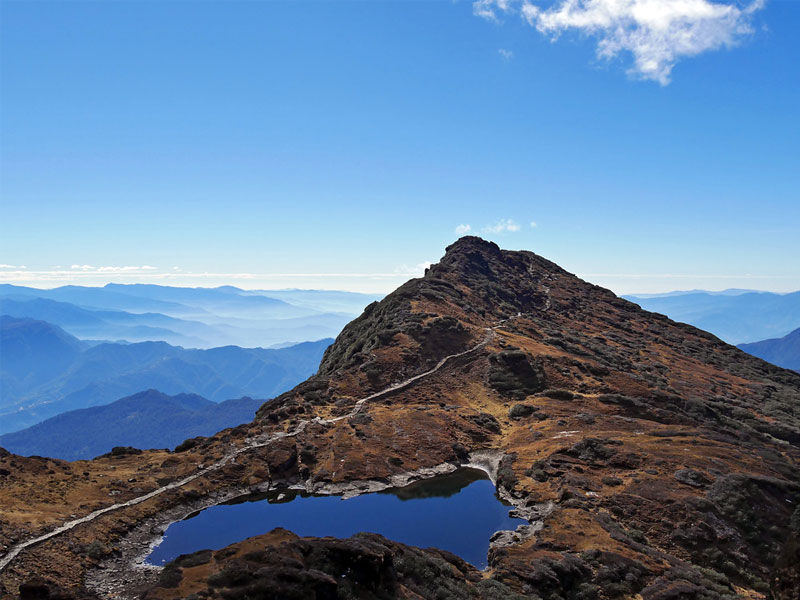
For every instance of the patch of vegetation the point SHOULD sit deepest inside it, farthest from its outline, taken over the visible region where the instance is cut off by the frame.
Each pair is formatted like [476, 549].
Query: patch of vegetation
[612, 481]
[120, 451]
[171, 576]
[505, 472]
[486, 421]
[686, 582]
[593, 450]
[557, 394]
[512, 374]
[235, 573]
[189, 444]
[96, 550]
[753, 504]
[194, 559]
[520, 411]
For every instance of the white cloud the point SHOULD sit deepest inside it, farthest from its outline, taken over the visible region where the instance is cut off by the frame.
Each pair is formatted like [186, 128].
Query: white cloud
[506, 55]
[109, 269]
[534, 224]
[12, 266]
[463, 229]
[657, 33]
[417, 270]
[382, 282]
[487, 8]
[371, 282]
[502, 226]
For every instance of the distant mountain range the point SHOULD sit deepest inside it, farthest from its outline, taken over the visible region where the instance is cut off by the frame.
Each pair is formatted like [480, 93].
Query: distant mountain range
[735, 316]
[45, 371]
[189, 317]
[784, 352]
[148, 419]
[110, 324]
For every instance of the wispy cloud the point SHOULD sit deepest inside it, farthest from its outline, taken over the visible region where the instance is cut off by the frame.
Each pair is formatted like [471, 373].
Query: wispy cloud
[111, 269]
[3, 266]
[488, 9]
[376, 281]
[463, 229]
[686, 276]
[502, 226]
[648, 283]
[506, 55]
[416, 271]
[154, 274]
[657, 33]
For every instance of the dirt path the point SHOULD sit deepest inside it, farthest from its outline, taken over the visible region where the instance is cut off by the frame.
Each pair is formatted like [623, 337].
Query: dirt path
[253, 443]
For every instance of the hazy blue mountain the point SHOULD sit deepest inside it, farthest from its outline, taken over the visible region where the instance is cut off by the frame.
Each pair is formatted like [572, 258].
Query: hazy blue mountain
[735, 318]
[33, 351]
[93, 297]
[784, 352]
[111, 324]
[322, 300]
[728, 292]
[148, 419]
[91, 375]
[243, 331]
[222, 301]
[189, 317]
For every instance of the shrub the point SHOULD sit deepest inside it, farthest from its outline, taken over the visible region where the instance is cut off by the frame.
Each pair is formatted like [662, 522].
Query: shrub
[512, 374]
[189, 444]
[519, 411]
[558, 394]
[96, 550]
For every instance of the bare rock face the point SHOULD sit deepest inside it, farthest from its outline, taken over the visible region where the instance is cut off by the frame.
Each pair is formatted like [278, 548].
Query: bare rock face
[40, 588]
[668, 461]
[281, 565]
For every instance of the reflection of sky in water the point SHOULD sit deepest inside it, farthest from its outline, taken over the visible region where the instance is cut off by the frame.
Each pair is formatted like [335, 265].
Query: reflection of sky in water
[457, 512]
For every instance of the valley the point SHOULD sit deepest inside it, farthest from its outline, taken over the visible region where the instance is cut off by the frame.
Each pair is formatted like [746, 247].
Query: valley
[47, 372]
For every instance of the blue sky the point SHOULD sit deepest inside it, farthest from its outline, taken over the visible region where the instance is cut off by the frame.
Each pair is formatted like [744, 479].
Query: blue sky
[342, 144]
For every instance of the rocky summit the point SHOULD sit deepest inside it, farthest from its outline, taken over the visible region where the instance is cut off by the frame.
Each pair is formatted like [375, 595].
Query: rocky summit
[651, 459]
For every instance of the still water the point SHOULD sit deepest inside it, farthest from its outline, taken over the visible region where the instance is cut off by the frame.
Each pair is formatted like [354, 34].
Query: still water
[457, 512]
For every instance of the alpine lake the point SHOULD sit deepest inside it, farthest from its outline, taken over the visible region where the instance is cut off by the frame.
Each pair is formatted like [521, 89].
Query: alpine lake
[457, 512]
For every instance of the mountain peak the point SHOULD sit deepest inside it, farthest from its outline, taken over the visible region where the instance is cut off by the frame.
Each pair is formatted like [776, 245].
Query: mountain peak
[477, 255]
[472, 243]
[475, 285]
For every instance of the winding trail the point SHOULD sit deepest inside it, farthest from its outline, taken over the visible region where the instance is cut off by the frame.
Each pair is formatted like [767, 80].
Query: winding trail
[251, 444]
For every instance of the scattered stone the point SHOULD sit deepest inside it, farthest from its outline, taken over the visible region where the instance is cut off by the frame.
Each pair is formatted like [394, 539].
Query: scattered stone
[692, 478]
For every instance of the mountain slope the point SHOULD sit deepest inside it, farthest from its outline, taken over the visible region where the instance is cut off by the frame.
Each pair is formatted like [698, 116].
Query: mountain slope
[735, 318]
[33, 351]
[784, 352]
[148, 419]
[82, 376]
[652, 460]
